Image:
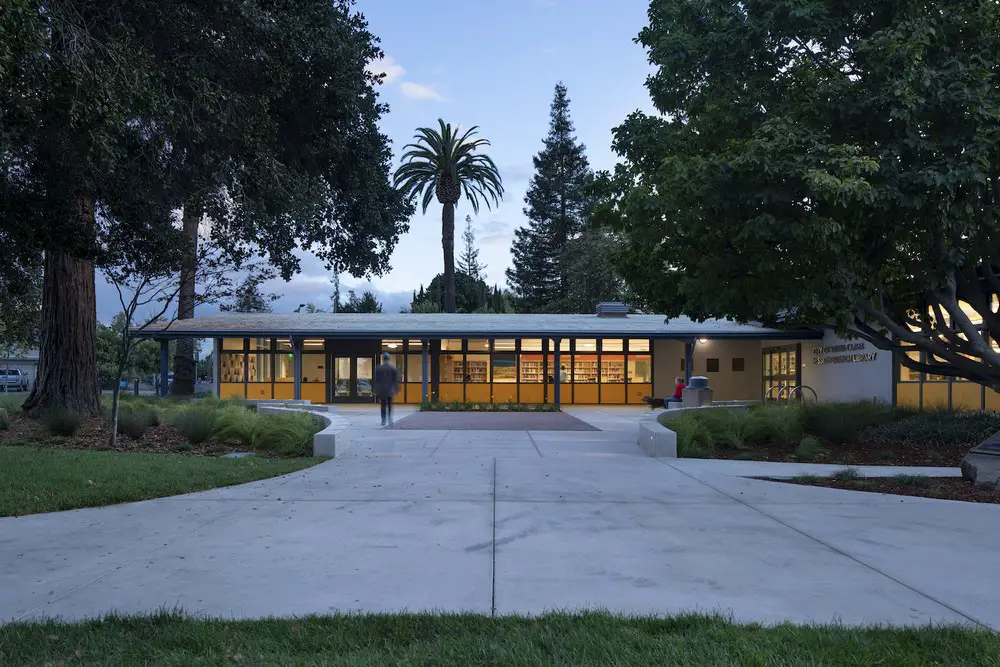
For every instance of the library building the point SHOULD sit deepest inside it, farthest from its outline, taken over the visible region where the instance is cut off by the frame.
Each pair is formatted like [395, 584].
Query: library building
[607, 358]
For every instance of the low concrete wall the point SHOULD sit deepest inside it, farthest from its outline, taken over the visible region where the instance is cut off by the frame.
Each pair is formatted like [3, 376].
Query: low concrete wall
[673, 413]
[332, 441]
[657, 440]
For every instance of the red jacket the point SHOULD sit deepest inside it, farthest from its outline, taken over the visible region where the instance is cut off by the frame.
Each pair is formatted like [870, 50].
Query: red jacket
[678, 391]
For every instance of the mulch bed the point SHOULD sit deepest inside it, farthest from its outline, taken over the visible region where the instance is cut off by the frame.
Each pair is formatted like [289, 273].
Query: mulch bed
[891, 454]
[945, 488]
[93, 436]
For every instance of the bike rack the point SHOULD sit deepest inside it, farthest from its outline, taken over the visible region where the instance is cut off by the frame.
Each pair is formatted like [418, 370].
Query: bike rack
[799, 389]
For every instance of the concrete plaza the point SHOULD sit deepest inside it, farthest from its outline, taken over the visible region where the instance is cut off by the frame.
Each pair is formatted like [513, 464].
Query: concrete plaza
[512, 522]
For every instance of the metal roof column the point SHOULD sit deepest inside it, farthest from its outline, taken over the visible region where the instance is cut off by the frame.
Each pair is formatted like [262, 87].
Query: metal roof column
[688, 360]
[164, 367]
[557, 376]
[217, 367]
[297, 368]
[425, 346]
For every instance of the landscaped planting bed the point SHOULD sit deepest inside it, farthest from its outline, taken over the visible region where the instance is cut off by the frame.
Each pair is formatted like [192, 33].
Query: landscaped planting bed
[201, 427]
[863, 433]
[942, 488]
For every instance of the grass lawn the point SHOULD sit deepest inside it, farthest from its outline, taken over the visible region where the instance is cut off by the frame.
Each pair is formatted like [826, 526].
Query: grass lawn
[49, 480]
[589, 639]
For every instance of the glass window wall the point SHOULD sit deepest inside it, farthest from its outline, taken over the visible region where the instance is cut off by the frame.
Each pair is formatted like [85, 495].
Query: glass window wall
[640, 368]
[532, 368]
[477, 368]
[313, 368]
[504, 368]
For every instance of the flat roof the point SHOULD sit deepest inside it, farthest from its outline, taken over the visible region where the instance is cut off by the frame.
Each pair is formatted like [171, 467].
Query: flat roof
[462, 325]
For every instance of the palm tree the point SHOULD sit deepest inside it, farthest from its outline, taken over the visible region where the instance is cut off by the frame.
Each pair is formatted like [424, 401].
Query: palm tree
[444, 163]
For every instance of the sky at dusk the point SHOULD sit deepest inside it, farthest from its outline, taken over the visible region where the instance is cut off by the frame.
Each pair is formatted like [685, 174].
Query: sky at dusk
[495, 65]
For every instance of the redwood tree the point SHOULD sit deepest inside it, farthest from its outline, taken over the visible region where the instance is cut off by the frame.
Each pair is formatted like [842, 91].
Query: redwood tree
[115, 114]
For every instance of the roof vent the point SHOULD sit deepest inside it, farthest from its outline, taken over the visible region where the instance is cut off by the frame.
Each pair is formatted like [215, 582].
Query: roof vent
[612, 309]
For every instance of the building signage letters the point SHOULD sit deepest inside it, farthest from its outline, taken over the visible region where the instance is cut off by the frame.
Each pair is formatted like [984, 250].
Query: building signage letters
[835, 354]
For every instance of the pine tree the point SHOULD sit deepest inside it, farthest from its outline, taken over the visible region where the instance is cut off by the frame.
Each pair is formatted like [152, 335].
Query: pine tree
[557, 207]
[468, 261]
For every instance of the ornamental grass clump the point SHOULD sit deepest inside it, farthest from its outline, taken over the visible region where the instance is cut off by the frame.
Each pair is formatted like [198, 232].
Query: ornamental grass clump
[196, 423]
[286, 434]
[135, 420]
[62, 421]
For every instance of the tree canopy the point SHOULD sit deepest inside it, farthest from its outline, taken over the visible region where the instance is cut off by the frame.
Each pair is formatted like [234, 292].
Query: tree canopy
[115, 114]
[366, 303]
[473, 295]
[248, 297]
[558, 207]
[821, 163]
[468, 260]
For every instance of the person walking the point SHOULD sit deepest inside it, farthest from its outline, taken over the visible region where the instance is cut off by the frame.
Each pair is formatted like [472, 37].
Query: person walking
[386, 386]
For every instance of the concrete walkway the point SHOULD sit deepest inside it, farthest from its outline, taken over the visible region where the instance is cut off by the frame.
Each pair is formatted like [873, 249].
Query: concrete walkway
[511, 522]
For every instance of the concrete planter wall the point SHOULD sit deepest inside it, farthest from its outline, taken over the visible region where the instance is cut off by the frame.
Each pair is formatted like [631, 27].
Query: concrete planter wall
[657, 440]
[332, 441]
[673, 413]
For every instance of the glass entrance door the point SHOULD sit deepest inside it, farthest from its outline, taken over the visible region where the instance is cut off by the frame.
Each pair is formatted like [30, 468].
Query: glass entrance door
[341, 378]
[781, 371]
[365, 367]
[353, 378]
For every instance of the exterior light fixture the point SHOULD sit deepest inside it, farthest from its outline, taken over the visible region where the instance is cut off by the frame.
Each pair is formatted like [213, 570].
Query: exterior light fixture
[702, 340]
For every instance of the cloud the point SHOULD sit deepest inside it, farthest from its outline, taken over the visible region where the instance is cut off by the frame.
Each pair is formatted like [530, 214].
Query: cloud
[388, 67]
[419, 91]
[512, 173]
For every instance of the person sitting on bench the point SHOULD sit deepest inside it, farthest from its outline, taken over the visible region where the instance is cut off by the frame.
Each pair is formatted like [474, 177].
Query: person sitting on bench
[678, 393]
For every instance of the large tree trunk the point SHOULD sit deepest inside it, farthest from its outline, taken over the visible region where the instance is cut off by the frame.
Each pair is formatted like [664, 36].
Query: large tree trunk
[448, 244]
[67, 365]
[184, 365]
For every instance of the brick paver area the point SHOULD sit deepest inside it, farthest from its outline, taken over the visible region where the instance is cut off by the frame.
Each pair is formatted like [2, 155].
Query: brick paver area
[492, 421]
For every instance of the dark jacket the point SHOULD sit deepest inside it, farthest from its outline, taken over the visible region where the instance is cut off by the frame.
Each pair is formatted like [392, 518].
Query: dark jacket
[386, 381]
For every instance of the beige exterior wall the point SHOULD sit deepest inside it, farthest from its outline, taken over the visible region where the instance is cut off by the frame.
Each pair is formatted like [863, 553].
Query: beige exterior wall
[727, 384]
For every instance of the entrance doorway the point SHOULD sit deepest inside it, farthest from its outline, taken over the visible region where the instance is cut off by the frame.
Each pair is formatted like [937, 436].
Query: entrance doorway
[782, 370]
[352, 378]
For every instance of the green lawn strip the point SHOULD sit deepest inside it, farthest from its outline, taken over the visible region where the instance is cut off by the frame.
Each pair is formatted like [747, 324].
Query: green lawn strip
[558, 639]
[50, 480]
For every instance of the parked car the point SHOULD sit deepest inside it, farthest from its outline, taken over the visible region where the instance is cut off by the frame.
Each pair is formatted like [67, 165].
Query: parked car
[13, 379]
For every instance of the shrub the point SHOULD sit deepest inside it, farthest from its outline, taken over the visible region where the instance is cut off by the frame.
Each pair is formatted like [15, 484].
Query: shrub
[934, 428]
[134, 420]
[808, 479]
[920, 481]
[841, 423]
[777, 424]
[809, 448]
[735, 428]
[694, 439]
[11, 402]
[846, 475]
[196, 423]
[62, 421]
[5, 420]
[287, 434]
